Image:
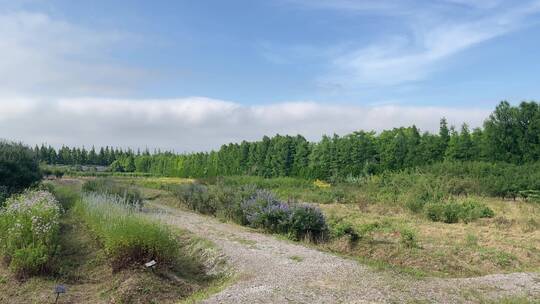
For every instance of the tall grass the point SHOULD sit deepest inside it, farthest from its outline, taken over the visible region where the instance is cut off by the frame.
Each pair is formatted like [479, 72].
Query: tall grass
[109, 186]
[128, 237]
[30, 224]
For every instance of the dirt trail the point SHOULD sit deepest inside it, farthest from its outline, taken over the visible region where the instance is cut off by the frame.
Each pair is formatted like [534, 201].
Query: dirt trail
[270, 270]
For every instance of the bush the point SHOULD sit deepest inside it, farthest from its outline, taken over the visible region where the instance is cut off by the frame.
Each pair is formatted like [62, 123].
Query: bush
[307, 222]
[30, 225]
[275, 218]
[408, 238]
[435, 212]
[255, 207]
[341, 228]
[19, 169]
[128, 237]
[415, 205]
[195, 196]
[452, 212]
[472, 210]
[228, 201]
[109, 186]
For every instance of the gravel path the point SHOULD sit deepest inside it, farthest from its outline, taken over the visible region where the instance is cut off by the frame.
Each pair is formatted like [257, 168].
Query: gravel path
[270, 270]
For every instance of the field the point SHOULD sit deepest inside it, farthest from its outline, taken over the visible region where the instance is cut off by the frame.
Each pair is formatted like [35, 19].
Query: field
[507, 242]
[450, 232]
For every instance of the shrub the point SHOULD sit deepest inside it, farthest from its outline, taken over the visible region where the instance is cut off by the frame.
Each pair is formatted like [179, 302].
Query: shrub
[342, 228]
[255, 207]
[307, 222]
[19, 169]
[275, 218]
[472, 210]
[443, 212]
[451, 212]
[195, 196]
[415, 205]
[30, 225]
[435, 212]
[408, 238]
[128, 237]
[128, 194]
[228, 201]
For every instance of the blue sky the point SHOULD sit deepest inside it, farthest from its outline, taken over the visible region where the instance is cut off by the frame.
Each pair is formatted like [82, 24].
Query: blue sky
[316, 61]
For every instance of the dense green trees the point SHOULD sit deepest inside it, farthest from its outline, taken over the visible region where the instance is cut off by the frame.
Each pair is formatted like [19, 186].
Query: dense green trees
[511, 134]
[19, 168]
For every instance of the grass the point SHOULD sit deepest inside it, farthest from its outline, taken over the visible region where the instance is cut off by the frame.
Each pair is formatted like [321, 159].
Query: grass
[83, 265]
[127, 236]
[447, 250]
[296, 258]
[393, 237]
[213, 288]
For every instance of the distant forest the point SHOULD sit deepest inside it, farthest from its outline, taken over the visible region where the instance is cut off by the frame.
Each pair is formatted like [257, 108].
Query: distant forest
[511, 134]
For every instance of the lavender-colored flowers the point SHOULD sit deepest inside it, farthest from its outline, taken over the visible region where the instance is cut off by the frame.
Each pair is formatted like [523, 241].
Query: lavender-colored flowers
[264, 210]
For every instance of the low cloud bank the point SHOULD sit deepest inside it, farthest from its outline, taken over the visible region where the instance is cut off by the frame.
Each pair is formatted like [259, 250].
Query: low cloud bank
[198, 123]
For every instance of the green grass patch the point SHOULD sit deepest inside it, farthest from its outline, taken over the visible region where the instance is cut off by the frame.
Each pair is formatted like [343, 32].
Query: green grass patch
[127, 236]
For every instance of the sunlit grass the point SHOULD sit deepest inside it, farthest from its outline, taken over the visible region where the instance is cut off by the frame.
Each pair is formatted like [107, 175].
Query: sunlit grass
[127, 236]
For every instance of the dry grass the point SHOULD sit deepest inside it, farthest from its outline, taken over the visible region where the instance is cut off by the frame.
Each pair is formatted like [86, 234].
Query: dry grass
[508, 242]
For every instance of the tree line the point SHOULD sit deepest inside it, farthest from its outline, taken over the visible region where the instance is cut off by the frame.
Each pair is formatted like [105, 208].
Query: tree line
[510, 134]
[81, 156]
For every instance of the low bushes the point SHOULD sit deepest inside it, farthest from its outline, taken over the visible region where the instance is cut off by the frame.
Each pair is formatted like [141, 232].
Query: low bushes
[127, 237]
[257, 208]
[30, 225]
[299, 221]
[439, 181]
[451, 212]
[340, 228]
[195, 197]
[109, 186]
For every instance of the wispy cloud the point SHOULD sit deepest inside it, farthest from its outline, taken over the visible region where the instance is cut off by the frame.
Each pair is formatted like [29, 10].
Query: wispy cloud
[432, 32]
[197, 123]
[44, 55]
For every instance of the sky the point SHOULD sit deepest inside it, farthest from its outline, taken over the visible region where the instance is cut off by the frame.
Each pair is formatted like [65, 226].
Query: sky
[193, 75]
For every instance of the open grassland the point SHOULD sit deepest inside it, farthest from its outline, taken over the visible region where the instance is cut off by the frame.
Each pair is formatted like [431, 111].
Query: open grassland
[509, 242]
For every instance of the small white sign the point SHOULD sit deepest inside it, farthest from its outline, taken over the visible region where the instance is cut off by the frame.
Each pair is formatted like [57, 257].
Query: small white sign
[152, 263]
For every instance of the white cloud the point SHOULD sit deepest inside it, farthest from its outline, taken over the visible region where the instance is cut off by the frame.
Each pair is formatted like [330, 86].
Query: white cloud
[43, 55]
[196, 123]
[431, 32]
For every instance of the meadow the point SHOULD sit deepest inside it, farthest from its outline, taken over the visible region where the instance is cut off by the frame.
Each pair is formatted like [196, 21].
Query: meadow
[445, 235]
